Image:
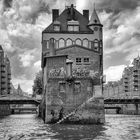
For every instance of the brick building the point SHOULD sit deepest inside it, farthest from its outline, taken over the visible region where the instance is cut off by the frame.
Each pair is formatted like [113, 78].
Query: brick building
[5, 73]
[131, 78]
[72, 51]
[5, 78]
[127, 88]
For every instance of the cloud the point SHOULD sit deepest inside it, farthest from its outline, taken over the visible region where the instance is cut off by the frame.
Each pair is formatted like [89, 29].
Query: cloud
[22, 21]
[37, 64]
[26, 59]
[24, 83]
[21, 24]
[118, 5]
[114, 73]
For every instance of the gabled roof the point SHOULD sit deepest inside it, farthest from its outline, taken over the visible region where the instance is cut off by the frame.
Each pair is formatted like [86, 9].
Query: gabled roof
[94, 18]
[1, 49]
[64, 17]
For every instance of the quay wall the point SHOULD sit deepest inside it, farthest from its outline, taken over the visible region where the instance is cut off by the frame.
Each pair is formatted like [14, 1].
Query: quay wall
[5, 110]
[129, 109]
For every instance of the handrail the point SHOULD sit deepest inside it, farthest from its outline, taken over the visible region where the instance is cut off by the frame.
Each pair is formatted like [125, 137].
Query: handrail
[72, 113]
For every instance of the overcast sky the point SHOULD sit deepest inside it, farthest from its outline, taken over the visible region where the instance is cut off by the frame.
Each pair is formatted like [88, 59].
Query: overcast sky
[22, 21]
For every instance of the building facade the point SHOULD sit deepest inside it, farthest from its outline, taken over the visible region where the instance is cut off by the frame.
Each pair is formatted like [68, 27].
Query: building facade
[113, 89]
[72, 65]
[5, 73]
[5, 78]
[131, 79]
[127, 88]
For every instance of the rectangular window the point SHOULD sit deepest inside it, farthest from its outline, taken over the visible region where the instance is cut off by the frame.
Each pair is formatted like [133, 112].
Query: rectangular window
[86, 60]
[78, 60]
[47, 44]
[56, 27]
[62, 87]
[77, 87]
[73, 28]
[70, 28]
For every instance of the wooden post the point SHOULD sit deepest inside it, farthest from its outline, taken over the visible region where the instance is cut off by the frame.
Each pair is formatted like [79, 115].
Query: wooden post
[137, 109]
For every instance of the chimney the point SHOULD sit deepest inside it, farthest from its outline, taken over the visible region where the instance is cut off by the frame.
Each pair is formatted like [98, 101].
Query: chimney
[52, 46]
[55, 14]
[69, 67]
[86, 14]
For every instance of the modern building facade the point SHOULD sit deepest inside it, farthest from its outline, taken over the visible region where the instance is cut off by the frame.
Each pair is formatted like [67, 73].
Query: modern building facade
[5, 73]
[5, 81]
[72, 65]
[131, 79]
[127, 88]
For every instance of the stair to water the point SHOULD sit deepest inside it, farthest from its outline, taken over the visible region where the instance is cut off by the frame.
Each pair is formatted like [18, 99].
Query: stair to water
[70, 114]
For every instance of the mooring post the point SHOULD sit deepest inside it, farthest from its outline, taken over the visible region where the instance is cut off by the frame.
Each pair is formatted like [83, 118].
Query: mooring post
[137, 109]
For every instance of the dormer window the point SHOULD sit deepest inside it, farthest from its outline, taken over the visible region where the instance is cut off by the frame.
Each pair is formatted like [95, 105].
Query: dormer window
[56, 26]
[73, 26]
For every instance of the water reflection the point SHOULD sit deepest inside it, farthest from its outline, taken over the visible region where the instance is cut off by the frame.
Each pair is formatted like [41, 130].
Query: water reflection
[29, 127]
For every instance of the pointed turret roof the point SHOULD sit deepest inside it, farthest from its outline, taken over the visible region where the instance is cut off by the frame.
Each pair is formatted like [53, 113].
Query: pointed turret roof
[6, 58]
[19, 86]
[138, 57]
[94, 18]
[1, 49]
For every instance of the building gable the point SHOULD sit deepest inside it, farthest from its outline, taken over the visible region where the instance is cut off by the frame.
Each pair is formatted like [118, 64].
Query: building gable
[64, 18]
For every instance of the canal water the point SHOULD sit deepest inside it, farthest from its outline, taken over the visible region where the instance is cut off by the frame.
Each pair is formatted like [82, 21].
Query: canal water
[29, 127]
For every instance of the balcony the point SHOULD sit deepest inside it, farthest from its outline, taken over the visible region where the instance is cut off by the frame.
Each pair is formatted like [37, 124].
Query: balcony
[2, 65]
[135, 70]
[126, 90]
[3, 82]
[136, 80]
[126, 82]
[136, 85]
[2, 71]
[135, 75]
[125, 78]
[3, 88]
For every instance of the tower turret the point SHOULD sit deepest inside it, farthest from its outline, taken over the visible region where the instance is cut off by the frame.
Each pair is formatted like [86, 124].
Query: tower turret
[94, 20]
[95, 25]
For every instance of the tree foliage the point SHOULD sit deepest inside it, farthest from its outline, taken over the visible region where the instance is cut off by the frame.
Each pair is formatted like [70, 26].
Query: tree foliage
[38, 85]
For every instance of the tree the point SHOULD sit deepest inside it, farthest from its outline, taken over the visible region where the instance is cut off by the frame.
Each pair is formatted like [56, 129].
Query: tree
[38, 85]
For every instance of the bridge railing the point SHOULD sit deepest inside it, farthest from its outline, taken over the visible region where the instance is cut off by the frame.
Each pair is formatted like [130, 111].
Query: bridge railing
[124, 95]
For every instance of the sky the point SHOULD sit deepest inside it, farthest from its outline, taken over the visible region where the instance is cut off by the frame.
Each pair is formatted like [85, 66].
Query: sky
[22, 22]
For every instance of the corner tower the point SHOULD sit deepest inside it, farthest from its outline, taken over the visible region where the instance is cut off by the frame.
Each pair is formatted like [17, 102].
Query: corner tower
[96, 26]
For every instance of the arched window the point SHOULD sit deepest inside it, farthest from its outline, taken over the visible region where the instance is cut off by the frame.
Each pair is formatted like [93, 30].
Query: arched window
[85, 43]
[78, 42]
[47, 44]
[96, 45]
[68, 42]
[90, 44]
[56, 44]
[51, 42]
[61, 43]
